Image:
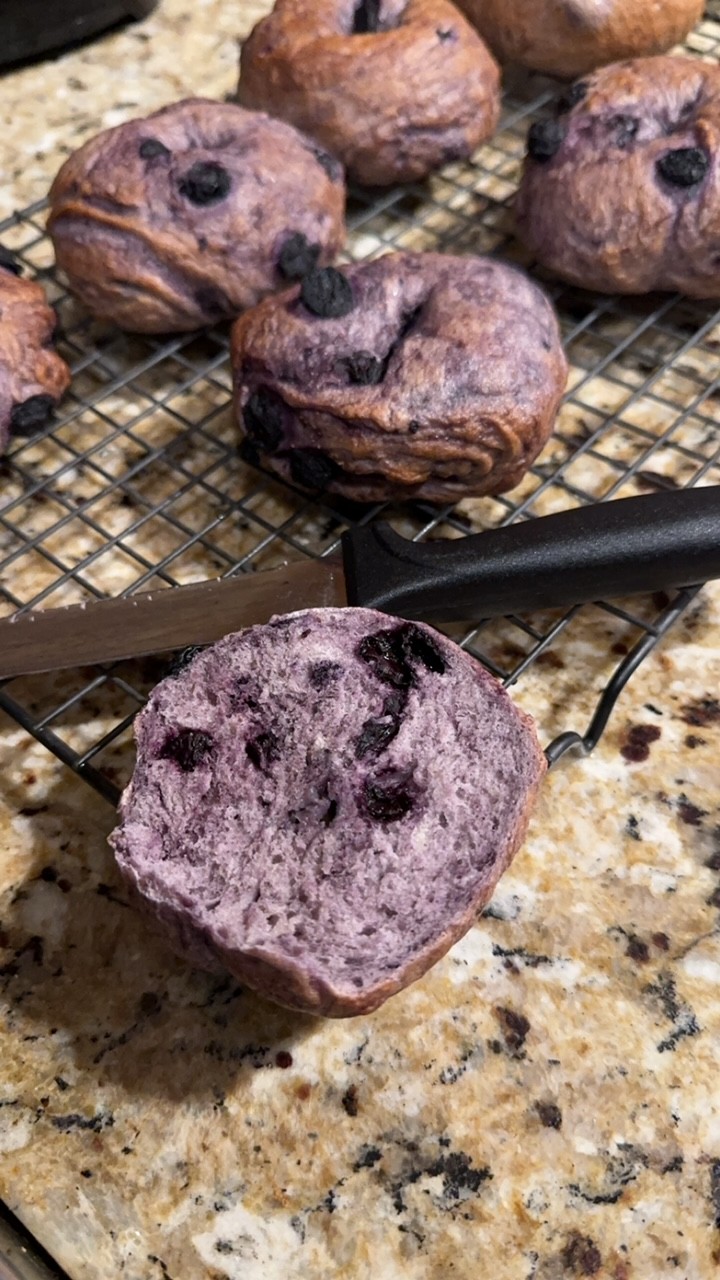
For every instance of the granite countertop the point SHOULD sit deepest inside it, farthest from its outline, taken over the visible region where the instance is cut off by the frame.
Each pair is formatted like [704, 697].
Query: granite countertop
[543, 1104]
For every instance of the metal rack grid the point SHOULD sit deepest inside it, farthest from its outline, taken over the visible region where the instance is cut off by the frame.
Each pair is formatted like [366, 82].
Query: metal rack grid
[138, 483]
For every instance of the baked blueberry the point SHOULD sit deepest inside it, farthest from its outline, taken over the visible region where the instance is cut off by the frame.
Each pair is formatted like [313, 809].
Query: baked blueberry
[298, 257]
[206, 182]
[327, 293]
[684, 167]
[187, 748]
[151, 148]
[545, 139]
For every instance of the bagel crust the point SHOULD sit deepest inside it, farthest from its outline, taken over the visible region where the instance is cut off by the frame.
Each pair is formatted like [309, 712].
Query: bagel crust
[621, 189]
[192, 214]
[414, 375]
[393, 88]
[33, 377]
[568, 38]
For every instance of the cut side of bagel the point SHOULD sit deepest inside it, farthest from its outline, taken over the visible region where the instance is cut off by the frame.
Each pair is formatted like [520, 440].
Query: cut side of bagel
[324, 803]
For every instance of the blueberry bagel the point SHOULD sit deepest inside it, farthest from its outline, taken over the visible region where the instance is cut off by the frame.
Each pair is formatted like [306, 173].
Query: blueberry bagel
[394, 88]
[411, 375]
[570, 37]
[33, 377]
[323, 804]
[191, 215]
[621, 189]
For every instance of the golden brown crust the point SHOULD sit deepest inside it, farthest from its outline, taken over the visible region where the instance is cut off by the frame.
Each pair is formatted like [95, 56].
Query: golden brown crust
[621, 192]
[141, 251]
[33, 377]
[570, 37]
[391, 104]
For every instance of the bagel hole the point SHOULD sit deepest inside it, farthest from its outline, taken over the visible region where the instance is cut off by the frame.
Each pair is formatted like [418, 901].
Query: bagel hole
[369, 18]
[366, 18]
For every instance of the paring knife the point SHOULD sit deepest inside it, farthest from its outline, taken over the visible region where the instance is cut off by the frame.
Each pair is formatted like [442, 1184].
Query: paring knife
[607, 550]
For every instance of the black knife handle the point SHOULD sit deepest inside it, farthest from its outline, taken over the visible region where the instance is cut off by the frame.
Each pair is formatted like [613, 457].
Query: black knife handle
[607, 550]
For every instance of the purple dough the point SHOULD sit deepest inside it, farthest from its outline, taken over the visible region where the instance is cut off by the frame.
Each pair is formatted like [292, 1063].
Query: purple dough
[324, 803]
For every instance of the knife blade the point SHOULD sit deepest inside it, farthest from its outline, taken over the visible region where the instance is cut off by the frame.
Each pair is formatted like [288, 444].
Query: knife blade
[611, 549]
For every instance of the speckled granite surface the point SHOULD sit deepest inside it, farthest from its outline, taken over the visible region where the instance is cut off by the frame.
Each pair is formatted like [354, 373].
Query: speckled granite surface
[543, 1104]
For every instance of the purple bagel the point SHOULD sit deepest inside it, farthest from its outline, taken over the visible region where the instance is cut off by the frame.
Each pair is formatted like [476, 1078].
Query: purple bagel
[323, 804]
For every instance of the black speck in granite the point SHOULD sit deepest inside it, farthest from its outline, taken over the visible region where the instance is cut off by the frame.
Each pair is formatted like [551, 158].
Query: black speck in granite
[549, 1114]
[458, 1174]
[636, 747]
[283, 1059]
[713, 862]
[257, 1055]
[329, 1202]
[714, 899]
[515, 1027]
[631, 827]
[677, 1012]
[86, 1173]
[61, 1084]
[150, 1003]
[75, 1121]
[637, 950]
[689, 813]
[715, 1192]
[531, 959]
[368, 1157]
[349, 1100]
[702, 713]
[674, 1165]
[581, 1256]
[604, 1197]
[48, 874]
[107, 891]
[158, 1262]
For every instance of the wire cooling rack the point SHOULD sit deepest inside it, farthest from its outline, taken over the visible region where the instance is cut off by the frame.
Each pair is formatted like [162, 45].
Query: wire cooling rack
[138, 484]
